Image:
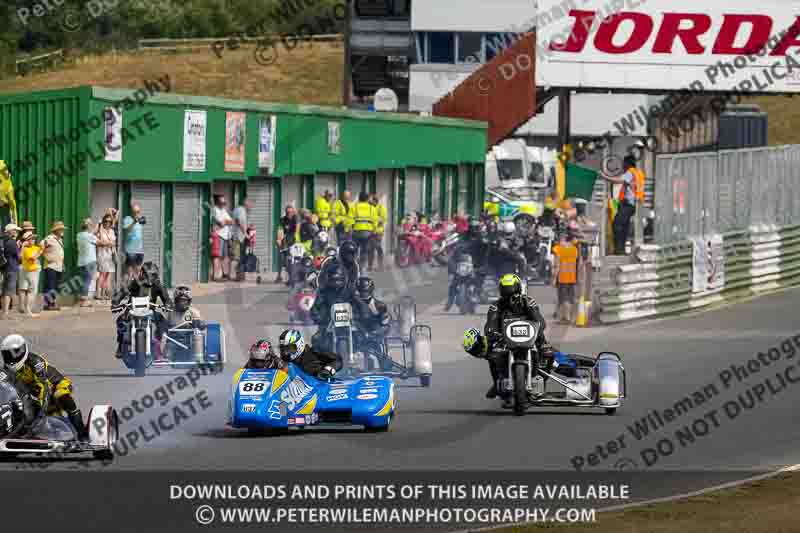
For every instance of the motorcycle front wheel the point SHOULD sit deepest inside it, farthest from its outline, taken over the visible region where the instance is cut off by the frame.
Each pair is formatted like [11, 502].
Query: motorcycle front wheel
[141, 352]
[520, 389]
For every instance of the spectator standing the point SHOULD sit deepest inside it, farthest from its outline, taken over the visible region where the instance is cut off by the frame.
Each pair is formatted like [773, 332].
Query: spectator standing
[224, 220]
[239, 237]
[380, 229]
[343, 211]
[8, 204]
[308, 231]
[134, 243]
[216, 251]
[565, 276]
[364, 227]
[106, 257]
[53, 246]
[11, 269]
[322, 208]
[287, 236]
[29, 273]
[87, 259]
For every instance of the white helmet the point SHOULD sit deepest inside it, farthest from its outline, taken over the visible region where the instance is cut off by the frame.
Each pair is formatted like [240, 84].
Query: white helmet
[322, 237]
[509, 227]
[15, 351]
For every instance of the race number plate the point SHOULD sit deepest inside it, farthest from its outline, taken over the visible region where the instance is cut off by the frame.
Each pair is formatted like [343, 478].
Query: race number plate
[520, 331]
[252, 388]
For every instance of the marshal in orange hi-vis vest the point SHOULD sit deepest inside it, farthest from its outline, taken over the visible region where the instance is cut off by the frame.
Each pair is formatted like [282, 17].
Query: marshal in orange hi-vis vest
[638, 185]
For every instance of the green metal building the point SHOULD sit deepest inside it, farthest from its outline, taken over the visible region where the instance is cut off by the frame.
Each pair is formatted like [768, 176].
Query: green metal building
[75, 152]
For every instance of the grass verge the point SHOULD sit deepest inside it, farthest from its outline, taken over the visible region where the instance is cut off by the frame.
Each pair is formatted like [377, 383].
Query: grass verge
[767, 506]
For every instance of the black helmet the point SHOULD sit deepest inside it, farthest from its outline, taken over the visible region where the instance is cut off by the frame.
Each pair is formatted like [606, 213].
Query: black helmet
[182, 298]
[510, 284]
[148, 275]
[348, 251]
[365, 288]
[474, 227]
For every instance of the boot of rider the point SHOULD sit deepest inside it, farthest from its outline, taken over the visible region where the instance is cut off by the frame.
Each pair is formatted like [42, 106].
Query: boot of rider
[76, 419]
[493, 390]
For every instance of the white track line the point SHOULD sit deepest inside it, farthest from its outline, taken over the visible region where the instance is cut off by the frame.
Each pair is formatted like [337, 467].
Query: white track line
[665, 499]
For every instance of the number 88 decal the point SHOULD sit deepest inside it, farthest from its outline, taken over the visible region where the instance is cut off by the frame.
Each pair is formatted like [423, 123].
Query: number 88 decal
[252, 387]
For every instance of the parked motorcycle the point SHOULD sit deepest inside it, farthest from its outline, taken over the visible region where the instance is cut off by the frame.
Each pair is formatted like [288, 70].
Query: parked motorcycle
[412, 246]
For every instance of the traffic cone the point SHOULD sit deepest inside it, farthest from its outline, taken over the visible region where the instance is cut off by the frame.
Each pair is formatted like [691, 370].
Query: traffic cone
[580, 321]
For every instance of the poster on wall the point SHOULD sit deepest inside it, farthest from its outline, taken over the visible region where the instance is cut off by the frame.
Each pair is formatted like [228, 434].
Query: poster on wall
[267, 128]
[234, 142]
[113, 134]
[334, 138]
[194, 141]
[708, 264]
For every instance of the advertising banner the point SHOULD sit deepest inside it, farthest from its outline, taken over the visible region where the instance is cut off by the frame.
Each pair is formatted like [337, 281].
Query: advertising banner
[708, 264]
[234, 142]
[267, 131]
[669, 45]
[113, 134]
[194, 141]
[334, 138]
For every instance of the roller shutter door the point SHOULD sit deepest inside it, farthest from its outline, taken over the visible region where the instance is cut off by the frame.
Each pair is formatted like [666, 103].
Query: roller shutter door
[261, 193]
[148, 195]
[291, 192]
[104, 195]
[186, 234]
[324, 182]
[384, 188]
[414, 187]
[464, 175]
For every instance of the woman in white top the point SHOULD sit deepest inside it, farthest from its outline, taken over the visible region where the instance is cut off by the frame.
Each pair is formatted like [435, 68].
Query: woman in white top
[106, 265]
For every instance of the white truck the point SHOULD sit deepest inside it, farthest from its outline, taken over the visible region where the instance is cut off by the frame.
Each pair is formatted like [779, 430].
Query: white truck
[517, 178]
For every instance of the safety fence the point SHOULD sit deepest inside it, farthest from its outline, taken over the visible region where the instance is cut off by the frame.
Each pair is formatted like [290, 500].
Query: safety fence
[701, 272]
[231, 42]
[717, 192]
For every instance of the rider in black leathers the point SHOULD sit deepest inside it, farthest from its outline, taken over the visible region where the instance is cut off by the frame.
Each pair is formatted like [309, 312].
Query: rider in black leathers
[148, 284]
[334, 287]
[511, 304]
[348, 257]
[318, 363]
[474, 244]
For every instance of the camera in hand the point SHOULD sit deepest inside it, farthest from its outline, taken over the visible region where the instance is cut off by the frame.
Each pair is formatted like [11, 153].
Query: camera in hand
[142, 220]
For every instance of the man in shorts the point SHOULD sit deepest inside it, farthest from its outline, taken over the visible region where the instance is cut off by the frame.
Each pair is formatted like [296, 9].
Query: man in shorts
[134, 245]
[565, 276]
[11, 268]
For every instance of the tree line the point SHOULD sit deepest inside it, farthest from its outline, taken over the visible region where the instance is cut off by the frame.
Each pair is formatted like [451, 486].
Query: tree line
[95, 26]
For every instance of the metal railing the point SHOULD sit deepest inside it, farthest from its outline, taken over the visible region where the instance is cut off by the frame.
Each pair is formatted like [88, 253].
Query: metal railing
[688, 274]
[41, 62]
[711, 193]
[192, 44]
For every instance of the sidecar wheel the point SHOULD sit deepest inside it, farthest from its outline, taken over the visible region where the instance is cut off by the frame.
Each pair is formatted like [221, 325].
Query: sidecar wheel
[611, 411]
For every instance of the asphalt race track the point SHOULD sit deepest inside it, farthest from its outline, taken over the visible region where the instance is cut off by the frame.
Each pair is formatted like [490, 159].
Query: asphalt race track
[451, 426]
